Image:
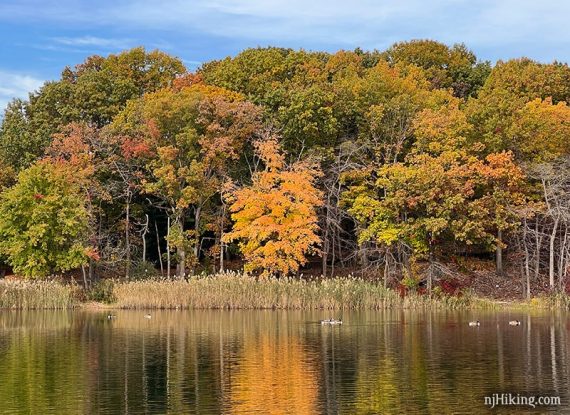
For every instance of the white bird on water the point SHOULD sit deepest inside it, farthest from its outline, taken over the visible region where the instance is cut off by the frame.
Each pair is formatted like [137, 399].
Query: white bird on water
[331, 321]
[474, 323]
[147, 316]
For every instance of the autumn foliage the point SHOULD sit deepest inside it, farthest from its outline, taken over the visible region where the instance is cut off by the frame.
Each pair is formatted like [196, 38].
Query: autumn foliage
[387, 163]
[275, 217]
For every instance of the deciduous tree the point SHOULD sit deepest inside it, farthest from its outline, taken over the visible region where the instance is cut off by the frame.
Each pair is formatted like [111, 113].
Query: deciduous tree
[44, 222]
[275, 217]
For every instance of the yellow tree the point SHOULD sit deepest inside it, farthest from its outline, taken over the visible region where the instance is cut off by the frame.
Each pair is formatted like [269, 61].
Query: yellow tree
[541, 130]
[442, 194]
[275, 217]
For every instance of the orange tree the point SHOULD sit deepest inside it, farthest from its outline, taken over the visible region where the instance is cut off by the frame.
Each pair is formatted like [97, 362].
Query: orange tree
[276, 216]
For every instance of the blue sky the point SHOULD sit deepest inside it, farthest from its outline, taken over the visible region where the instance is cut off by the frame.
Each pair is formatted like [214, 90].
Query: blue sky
[40, 37]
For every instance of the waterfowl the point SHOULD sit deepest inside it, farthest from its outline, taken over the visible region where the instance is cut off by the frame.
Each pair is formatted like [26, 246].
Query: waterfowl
[147, 316]
[111, 316]
[331, 321]
[474, 323]
[514, 323]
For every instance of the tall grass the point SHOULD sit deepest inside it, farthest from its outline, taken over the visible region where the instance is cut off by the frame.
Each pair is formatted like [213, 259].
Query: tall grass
[238, 291]
[37, 295]
[555, 300]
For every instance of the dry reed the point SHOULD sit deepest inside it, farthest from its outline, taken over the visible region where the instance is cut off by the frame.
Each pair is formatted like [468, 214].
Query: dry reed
[239, 291]
[37, 295]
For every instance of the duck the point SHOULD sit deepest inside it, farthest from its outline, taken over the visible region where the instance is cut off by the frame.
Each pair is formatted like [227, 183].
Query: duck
[474, 323]
[111, 316]
[147, 316]
[331, 321]
[514, 323]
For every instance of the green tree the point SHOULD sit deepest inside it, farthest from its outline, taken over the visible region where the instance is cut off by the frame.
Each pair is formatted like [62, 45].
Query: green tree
[93, 93]
[453, 67]
[442, 194]
[510, 86]
[540, 131]
[43, 221]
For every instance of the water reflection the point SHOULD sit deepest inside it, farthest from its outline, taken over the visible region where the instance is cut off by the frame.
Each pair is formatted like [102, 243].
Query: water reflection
[275, 362]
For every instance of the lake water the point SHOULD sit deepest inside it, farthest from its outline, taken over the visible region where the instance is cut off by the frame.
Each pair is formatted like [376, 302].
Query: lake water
[279, 362]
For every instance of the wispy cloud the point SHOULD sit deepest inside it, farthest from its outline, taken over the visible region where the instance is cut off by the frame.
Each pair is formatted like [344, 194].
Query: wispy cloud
[503, 28]
[16, 85]
[94, 41]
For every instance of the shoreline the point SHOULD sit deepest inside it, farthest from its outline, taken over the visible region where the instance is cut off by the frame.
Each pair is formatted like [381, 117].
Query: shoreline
[479, 303]
[236, 291]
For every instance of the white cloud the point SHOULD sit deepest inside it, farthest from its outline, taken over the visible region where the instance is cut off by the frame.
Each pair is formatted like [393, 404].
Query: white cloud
[16, 85]
[93, 41]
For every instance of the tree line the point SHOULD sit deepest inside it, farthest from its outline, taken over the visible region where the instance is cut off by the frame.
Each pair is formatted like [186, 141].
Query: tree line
[384, 162]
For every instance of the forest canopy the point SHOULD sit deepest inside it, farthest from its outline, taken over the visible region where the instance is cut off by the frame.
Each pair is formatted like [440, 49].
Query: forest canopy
[291, 160]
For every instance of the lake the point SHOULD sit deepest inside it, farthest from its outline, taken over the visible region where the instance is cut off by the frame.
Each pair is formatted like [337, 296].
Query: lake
[279, 362]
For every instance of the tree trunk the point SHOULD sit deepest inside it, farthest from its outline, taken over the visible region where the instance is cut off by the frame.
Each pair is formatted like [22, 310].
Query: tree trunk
[562, 257]
[222, 223]
[168, 248]
[526, 259]
[325, 255]
[91, 271]
[197, 217]
[85, 284]
[127, 236]
[538, 243]
[430, 270]
[551, 254]
[386, 269]
[181, 250]
[145, 230]
[499, 253]
[158, 247]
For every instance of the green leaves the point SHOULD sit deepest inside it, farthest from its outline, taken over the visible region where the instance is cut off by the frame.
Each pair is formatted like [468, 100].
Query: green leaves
[93, 93]
[43, 222]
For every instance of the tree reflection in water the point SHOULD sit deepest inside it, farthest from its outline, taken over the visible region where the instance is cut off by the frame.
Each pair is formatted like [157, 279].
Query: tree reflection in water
[275, 362]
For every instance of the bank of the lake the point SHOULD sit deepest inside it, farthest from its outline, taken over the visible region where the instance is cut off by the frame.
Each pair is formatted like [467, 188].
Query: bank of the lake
[238, 291]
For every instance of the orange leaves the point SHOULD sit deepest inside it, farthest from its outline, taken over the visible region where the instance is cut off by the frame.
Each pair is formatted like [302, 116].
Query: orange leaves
[275, 218]
[445, 194]
[227, 124]
[134, 148]
[187, 80]
[500, 168]
[441, 129]
[92, 253]
[72, 150]
[72, 145]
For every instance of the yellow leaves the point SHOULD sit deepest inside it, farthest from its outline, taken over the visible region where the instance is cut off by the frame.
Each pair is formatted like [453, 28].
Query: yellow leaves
[275, 218]
[269, 152]
[445, 128]
[541, 130]
[447, 193]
